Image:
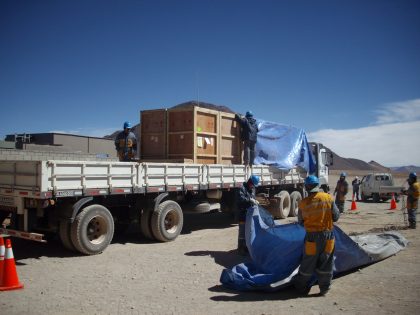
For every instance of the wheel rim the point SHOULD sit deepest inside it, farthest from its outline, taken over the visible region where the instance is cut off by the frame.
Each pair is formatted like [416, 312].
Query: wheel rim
[171, 221]
[96, 230]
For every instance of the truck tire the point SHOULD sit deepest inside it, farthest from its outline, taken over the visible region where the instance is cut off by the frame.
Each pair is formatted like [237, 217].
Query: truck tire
[64, 233]
[375, 197]
[280, 205]
[167, 221]
[364, 198]
[92, 230]
[295, 198]
[145, 223]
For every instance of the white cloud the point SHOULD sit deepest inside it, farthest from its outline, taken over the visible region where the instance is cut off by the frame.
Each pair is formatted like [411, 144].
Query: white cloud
[395, 144]
[398, 112]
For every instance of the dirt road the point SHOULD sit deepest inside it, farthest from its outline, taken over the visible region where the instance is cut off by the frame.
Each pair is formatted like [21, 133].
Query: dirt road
[134, 276]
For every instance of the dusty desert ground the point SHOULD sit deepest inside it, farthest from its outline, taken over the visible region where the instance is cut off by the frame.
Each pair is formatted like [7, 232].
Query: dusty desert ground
[134, 276]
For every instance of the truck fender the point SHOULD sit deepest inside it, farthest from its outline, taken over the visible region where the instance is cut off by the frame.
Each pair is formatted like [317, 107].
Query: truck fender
[159, 199]
[77, 206]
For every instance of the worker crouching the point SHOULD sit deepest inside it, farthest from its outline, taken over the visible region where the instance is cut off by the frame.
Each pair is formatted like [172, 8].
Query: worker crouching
[246, 199]
[126, 144]
[317, 212]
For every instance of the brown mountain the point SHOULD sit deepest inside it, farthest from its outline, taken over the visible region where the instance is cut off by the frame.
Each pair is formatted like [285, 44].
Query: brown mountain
[348, 164]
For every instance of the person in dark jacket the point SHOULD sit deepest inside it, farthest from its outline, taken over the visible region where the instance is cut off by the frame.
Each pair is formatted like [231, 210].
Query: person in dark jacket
[341, 191]
[249, 130]
[355, 184]
[126, 144]
[246, 199]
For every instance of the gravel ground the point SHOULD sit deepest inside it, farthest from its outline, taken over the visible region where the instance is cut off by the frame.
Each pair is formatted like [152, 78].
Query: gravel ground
[134, 276]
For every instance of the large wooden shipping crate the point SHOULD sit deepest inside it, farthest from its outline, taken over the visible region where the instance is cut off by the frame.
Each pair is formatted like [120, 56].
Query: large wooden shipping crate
[198, 134]
[153, 134]
[230, 150]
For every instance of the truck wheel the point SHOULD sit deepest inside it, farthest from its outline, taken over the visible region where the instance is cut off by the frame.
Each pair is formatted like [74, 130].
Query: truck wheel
[295, 198]
[281, 205]
[167, 221]
[64, 232]
[145, 223]
[92, 230]
[375, 198]
[364, 198]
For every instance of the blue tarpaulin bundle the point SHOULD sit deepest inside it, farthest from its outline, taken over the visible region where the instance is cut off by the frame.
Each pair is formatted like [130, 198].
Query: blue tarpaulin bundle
[276, 251]
[283, 147]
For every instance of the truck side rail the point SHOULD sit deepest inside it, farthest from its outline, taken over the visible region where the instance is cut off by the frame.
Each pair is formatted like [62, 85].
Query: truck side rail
[44, 179]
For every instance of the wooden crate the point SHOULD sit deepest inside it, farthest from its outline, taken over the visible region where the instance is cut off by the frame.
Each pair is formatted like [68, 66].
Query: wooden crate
[190, 132]
[193, 134]
[229, 139]
[153, 137]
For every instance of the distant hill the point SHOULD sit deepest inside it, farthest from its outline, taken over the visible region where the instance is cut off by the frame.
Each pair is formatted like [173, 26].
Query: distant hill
[113, 136]
[349, 164]
[406, 169]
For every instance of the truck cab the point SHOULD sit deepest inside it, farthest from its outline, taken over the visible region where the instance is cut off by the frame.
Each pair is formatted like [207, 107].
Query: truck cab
[323, 159]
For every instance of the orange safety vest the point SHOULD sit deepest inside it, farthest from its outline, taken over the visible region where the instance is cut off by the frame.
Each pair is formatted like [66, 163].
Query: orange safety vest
[413, 196]
[316, 212]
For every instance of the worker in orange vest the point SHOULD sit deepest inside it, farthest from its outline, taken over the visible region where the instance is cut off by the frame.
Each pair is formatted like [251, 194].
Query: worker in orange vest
[413, 193]
[317, 212]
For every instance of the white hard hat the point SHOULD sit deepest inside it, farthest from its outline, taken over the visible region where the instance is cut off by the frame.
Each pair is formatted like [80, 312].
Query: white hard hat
[357, 177]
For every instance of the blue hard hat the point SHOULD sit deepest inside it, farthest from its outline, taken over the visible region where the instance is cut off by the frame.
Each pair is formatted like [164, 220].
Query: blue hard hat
[249, 114]
[127, 124]
[254, 180]
[343, 174]
[412, 175]
[311, 180]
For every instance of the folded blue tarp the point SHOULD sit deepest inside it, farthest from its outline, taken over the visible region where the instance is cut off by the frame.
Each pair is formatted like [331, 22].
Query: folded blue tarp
[283, 147]
[276, 252]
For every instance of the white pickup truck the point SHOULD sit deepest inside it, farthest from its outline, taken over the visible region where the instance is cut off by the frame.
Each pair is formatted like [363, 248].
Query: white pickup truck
[378, 186]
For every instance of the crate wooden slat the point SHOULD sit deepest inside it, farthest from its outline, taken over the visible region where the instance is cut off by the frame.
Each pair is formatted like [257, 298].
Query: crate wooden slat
[153, 134]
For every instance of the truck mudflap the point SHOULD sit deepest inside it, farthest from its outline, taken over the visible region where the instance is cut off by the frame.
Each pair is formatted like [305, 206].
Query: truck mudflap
[25, 235]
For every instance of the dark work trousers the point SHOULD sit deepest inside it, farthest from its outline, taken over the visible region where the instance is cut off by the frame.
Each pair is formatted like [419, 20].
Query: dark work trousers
[340, 205]
[241, 228]
[318, 258]
[356, 193]
[249, 152]
[412, 217]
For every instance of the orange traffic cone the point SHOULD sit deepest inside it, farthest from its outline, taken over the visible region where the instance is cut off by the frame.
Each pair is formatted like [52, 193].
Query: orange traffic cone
[2, 251]
[393, 203]
[353, 205]
[10, 279]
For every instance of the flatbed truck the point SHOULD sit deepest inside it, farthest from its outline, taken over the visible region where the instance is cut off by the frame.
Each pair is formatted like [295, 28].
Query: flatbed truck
[84, 202]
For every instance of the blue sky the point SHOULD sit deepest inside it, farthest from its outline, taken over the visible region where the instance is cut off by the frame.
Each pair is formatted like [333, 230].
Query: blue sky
[347, 72]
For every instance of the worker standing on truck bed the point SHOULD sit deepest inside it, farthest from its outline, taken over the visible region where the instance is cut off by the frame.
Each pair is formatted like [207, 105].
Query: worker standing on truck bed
[246, 199]
[126, 144]
[413, 193]
[340, 191]
[317, 212]
[249, 130]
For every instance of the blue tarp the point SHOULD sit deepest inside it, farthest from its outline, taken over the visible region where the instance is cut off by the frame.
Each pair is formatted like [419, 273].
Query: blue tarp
[276, 252]
[283, 146]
